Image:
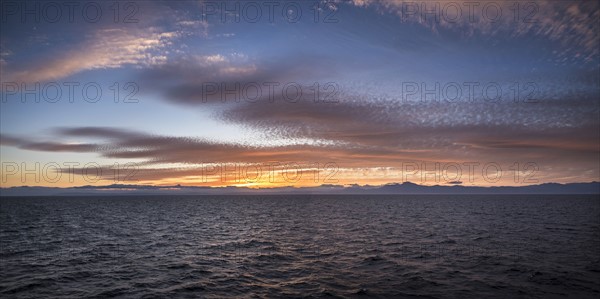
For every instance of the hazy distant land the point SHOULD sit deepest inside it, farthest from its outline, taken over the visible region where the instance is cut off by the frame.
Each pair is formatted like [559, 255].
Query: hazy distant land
[403, 188]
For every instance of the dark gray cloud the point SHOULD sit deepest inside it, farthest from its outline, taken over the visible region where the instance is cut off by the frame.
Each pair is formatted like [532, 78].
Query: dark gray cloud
[99, 132]
[201, 79]
[25, 144]
[8, 140]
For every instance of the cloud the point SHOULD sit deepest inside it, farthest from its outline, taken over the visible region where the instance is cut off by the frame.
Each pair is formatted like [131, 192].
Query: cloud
[365, 121]
[197, 79]
[21, 143]
[571, 23]
[98, 132]
[147, 39]
[104, 49]
[362, 154]
[8, 140]
[357, 126]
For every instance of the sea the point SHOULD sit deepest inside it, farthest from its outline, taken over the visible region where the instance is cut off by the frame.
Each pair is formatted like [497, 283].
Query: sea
[301, 246]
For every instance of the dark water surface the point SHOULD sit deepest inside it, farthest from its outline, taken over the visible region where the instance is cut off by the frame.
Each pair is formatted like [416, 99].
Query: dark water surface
[301, 246]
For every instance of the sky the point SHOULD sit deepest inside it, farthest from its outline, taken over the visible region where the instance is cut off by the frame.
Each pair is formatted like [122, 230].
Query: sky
[299, 93]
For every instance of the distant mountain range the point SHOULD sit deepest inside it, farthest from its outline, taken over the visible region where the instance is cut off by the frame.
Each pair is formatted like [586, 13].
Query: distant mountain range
[404, 188]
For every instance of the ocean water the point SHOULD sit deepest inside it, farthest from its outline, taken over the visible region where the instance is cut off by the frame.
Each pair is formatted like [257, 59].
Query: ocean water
[301, 246]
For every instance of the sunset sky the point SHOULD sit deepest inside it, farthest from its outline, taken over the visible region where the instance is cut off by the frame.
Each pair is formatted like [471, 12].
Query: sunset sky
[299, 93]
